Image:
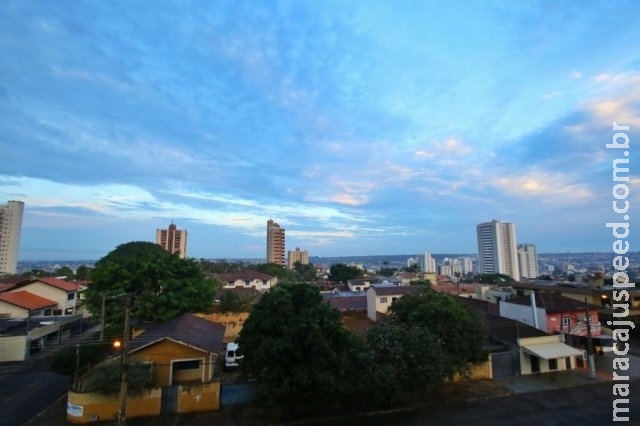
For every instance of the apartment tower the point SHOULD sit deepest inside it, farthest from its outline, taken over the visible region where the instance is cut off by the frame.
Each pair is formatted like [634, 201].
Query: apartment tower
[10, 229]
[427, 262]
[528, 260]
[275, 243]
[497, 250]
[298, 255]
[173, 240]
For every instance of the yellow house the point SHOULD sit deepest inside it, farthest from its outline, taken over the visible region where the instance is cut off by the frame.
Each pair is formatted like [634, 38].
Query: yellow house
[182, 352]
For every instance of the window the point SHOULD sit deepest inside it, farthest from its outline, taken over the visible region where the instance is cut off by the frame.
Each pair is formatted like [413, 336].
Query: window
[186, 365]
[71, 296]
[566, 320]
[383, 300]
[553, 364]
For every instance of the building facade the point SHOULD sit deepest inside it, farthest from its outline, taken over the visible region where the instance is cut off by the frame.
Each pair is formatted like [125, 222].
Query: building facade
[297, 255]
[10, 229]
[173, 240]
[275, 243]
[528, 260]
[497, 250]
[427, 262]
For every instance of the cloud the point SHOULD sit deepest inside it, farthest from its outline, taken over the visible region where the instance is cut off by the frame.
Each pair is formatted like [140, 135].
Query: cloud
[575, 75]
[546, 187]
[552, 95]
[452, 147]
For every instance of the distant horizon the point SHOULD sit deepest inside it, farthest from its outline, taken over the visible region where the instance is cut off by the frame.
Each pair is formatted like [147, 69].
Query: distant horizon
[629, 253]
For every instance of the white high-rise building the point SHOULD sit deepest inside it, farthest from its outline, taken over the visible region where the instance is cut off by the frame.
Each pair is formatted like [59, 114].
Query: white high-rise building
[497, 250]
[467, 265]
[427, 262]
[528, 260]
[10, 229]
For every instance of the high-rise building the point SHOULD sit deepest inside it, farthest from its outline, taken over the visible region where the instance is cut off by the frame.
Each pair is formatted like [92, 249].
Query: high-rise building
[497, 252]
[298, 255]
[10, 229]
[528, 260]
[467, 265]
[427, 262]
[173, 240]
[275, 243]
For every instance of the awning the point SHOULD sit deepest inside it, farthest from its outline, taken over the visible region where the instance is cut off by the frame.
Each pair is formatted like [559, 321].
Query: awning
[551, 350]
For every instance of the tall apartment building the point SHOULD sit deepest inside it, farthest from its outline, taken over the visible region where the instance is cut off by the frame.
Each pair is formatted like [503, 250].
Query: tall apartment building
[528, 260]
[173, 240]
[275, 243]
[467, 265]
[497, 251]
[427, 262]
[10, 229]
[298, 255]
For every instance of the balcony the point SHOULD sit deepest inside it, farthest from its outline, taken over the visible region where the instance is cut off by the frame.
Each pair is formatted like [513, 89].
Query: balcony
[580, 329]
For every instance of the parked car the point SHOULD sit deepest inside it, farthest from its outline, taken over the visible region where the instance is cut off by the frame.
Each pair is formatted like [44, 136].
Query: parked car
[232, 355]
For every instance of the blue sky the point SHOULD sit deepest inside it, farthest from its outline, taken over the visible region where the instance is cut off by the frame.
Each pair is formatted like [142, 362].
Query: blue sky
[362, 127]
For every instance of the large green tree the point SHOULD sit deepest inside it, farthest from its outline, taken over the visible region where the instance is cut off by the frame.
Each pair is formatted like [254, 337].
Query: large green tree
[296, 347]
[428, 337]
[339, 272]
[158, 285]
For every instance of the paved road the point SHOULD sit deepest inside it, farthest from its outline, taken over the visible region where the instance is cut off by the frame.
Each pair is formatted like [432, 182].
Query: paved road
[25, 394]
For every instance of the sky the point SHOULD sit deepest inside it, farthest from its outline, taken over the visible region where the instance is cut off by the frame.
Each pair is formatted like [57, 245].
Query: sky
[362, 127]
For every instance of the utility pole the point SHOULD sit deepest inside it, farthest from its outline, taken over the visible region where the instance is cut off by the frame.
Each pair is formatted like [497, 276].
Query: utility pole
[592, 361]
[122, 414]
[102, 319]
[76, 374]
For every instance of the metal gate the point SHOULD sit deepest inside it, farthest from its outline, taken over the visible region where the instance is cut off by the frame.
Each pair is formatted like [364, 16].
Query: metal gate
[237, 393]
[169, 400]
[504, 364]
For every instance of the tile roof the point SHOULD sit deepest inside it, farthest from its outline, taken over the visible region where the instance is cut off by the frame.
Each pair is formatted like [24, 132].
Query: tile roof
[551, 302]
[187, 329]
[246, 275]
[27, 300]
[346, 303]
[391, 289]
[55, 282]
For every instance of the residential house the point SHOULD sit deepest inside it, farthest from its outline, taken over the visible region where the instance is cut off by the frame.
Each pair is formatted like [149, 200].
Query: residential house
[518, 348]
[183, 352]
[381, 296]
[247, 279]
[23, 304]
[64, 293]
[552, 313]
[359, 284]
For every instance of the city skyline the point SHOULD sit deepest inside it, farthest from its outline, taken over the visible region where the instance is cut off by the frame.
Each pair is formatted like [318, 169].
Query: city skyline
[362, 127]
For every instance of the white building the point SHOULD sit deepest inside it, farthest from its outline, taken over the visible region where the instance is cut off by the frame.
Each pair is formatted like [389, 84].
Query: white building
[10, 228]
[528, 260]
[427, 262]
[497, 252]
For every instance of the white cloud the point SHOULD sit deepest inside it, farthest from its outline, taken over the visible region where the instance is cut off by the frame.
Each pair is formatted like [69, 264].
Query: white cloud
[575, 75]
[547, 186]
[552, 95]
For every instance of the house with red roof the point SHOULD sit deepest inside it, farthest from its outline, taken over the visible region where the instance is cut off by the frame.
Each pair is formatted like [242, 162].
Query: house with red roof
[24, 304]
[381, 296]
[63, 293]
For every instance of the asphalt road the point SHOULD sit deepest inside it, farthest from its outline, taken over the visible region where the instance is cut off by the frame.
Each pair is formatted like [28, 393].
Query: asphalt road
[24, 394]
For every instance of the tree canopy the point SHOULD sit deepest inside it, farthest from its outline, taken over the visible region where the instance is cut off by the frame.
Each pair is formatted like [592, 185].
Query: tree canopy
[162, 285]
[340, 272]
[428, 337]
[296, 347]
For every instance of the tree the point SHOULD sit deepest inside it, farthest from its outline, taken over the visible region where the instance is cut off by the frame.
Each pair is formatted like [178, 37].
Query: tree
[339, 272]
[64, 271]
[427, 337]
[387, 272]
[83, 272]
[305, 272]
[161, 285]
[296, 347]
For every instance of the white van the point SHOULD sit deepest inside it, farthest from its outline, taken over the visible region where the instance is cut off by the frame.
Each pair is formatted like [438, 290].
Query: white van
[232, 355]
